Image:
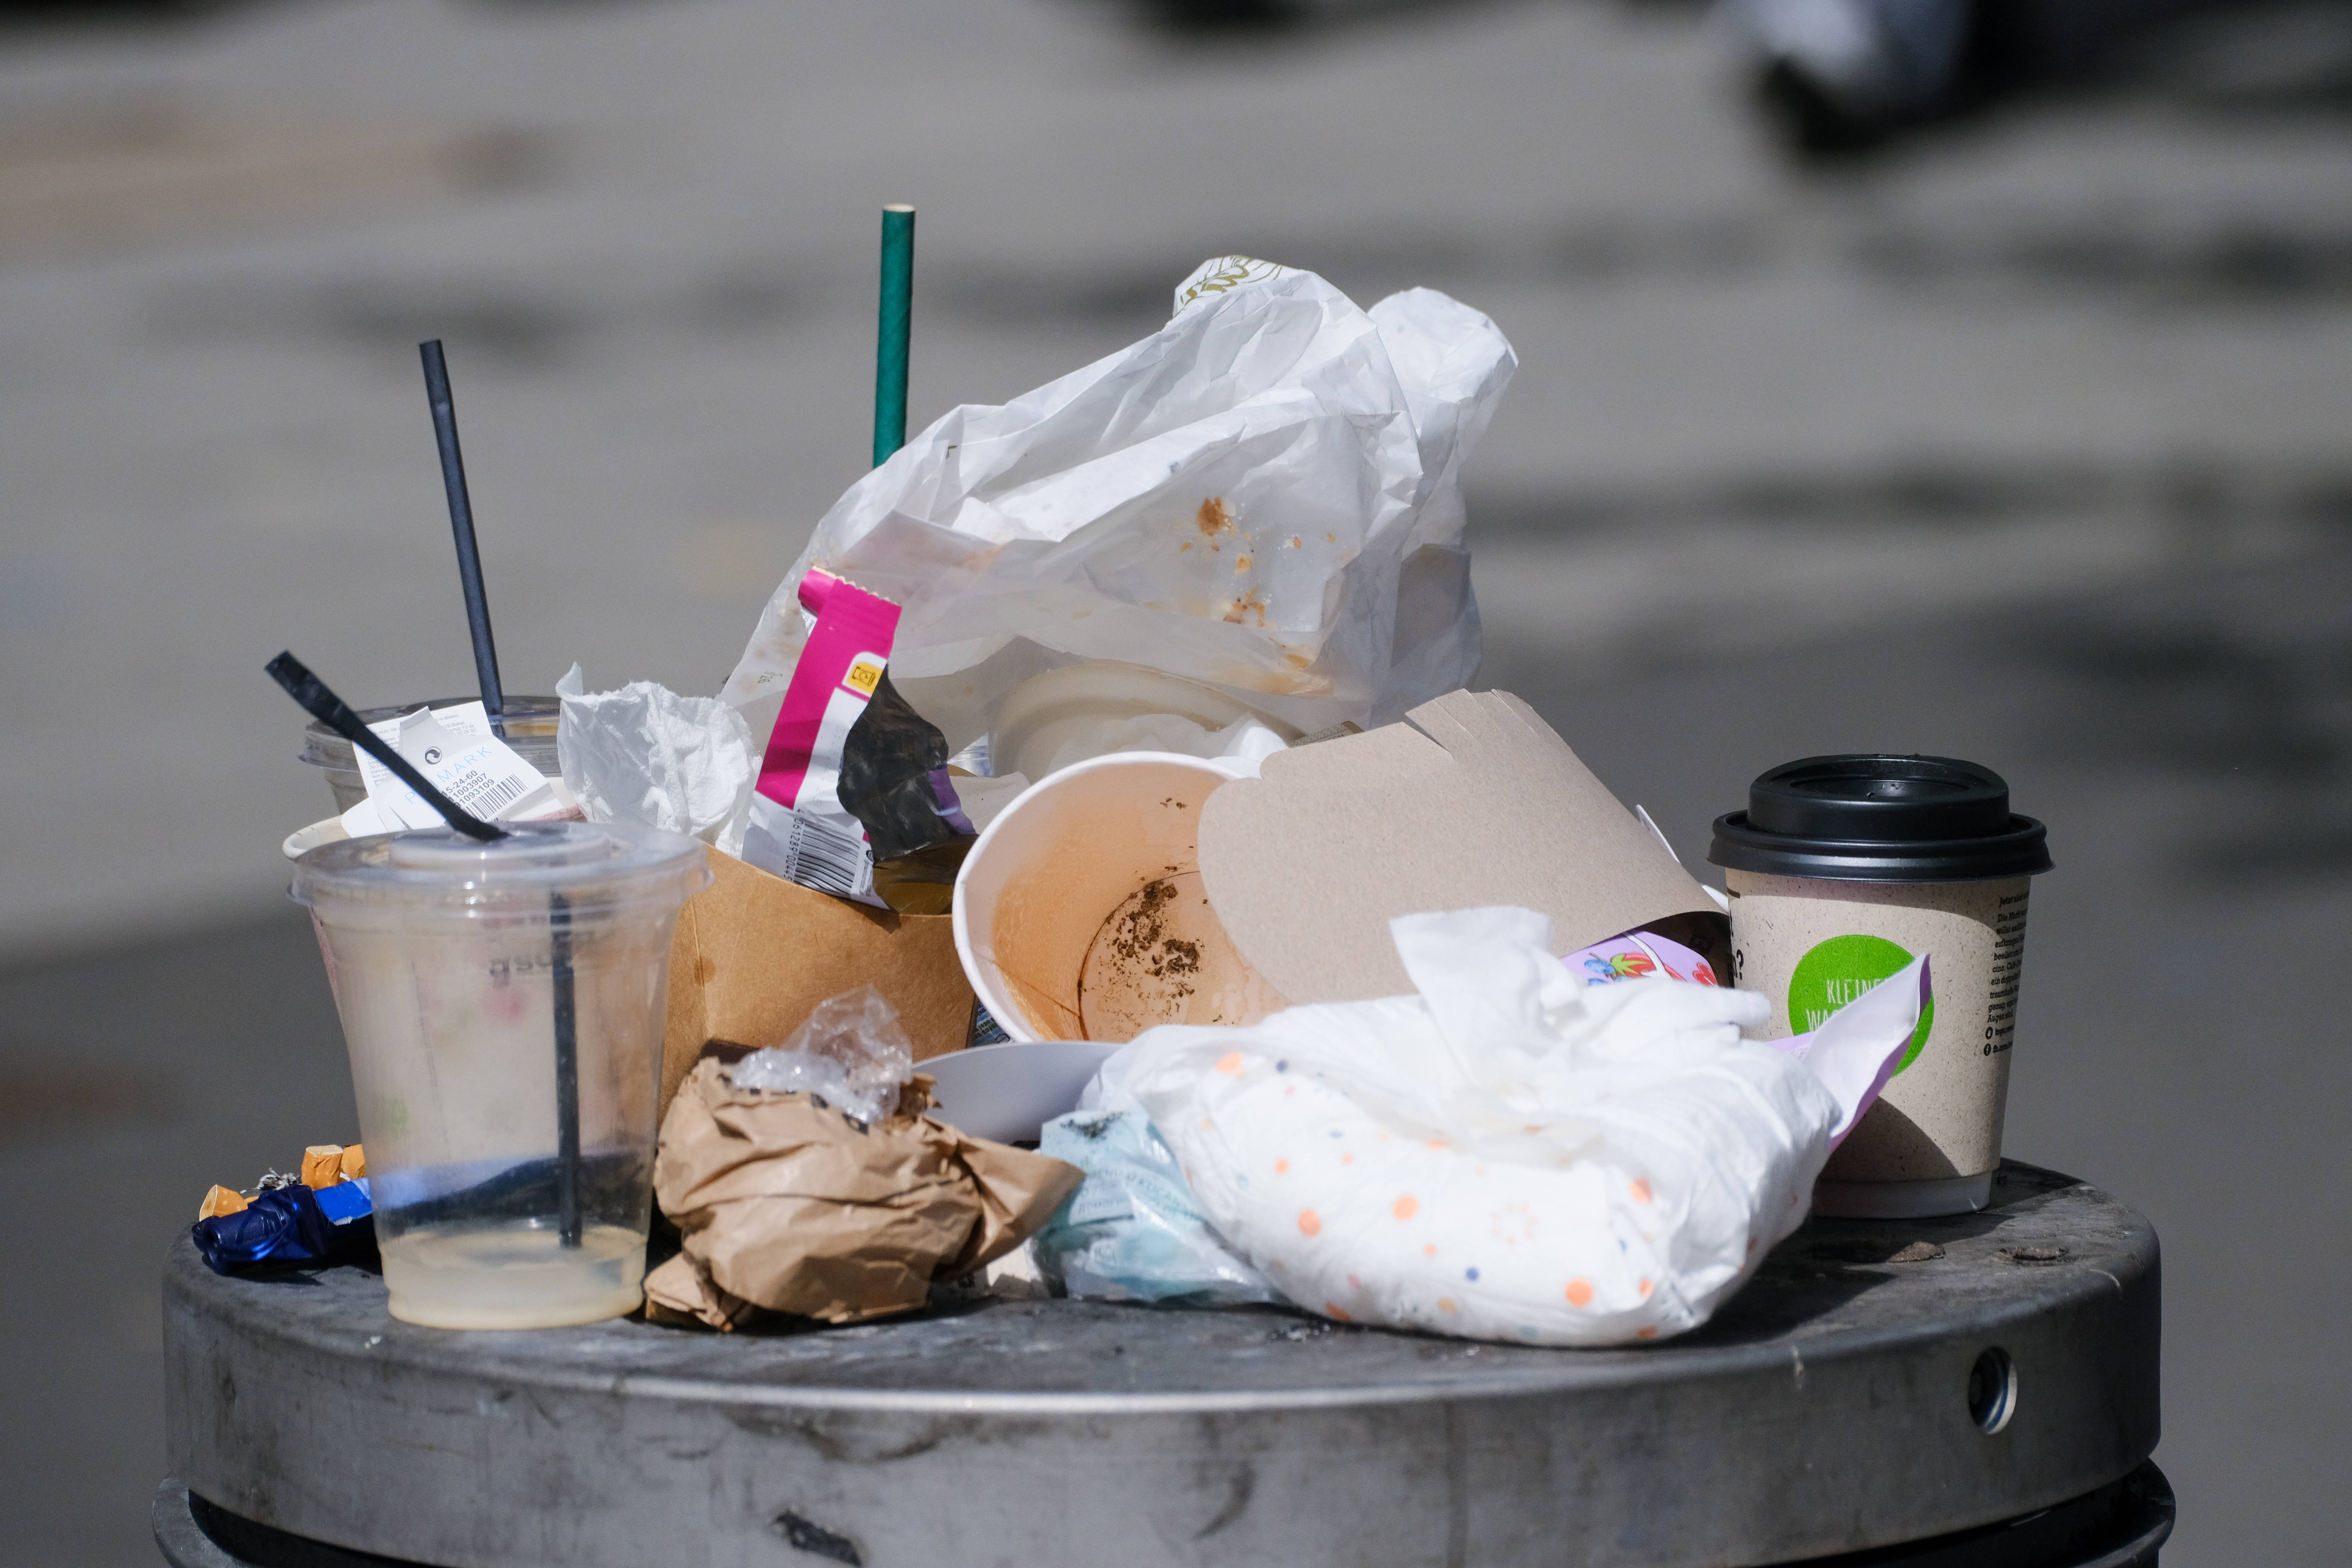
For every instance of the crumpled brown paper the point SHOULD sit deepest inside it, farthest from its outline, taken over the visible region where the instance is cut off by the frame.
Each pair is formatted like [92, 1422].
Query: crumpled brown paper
[791, 1206]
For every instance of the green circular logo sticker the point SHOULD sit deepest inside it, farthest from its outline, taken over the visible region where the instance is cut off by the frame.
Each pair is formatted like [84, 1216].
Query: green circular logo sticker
[1840, 969]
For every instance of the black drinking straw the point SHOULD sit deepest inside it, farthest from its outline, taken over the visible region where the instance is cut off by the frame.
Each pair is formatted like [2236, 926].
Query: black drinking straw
[486, 670]
[567, 1076]
[336, 715]
[461, 524]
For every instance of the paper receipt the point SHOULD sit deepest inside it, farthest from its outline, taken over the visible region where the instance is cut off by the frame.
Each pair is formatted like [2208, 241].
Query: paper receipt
[453, 748]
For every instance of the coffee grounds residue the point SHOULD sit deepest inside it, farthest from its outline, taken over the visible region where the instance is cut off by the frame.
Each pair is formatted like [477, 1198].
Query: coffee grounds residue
[1161, 957]
[1140, 938]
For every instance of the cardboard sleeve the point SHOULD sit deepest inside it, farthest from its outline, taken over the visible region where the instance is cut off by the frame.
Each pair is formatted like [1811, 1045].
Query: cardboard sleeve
[755, 953]
[1473, 801]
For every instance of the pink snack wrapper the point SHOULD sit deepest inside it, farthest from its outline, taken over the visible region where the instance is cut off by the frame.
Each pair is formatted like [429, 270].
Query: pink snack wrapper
[798, 830]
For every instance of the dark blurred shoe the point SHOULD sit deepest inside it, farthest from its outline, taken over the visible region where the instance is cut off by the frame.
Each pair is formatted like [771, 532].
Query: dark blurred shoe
[1842, 75]
[1222, 15]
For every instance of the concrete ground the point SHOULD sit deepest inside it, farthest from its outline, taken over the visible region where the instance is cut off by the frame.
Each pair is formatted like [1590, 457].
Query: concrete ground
[2021, 442]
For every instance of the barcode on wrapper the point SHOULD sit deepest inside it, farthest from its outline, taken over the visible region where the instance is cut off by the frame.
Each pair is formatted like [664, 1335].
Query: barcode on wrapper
[821, 855]
[482, 795]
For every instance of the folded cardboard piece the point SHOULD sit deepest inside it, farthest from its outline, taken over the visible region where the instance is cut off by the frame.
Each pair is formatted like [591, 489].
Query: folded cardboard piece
[1472, 801]
[755, 953]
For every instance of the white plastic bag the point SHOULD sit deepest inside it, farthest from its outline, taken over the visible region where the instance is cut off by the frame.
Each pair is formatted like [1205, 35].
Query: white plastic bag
[1510, 1154]
[1265, 495]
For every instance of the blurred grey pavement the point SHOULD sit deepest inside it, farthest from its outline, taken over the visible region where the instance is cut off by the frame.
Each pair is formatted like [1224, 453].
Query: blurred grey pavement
[2024, 442]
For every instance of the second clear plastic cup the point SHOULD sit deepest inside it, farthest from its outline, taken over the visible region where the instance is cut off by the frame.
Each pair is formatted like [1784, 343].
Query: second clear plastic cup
[503, 1004]
[528, 723]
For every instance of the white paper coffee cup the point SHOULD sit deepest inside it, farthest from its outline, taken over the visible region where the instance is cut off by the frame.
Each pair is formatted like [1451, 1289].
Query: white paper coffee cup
[1078, 913]
[1842, 870]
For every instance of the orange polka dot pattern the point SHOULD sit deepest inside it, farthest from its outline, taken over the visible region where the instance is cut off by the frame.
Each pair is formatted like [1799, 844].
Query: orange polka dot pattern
[1548, 1233]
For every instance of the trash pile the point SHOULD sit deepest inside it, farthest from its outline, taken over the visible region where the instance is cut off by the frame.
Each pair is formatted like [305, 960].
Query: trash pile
[1098, 877]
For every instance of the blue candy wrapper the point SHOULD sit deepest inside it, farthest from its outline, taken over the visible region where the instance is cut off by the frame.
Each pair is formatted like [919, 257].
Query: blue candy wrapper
[291, 1225]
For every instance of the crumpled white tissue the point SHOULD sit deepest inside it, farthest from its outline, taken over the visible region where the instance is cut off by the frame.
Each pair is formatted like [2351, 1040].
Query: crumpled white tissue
[645, 754]
[1508, 1154]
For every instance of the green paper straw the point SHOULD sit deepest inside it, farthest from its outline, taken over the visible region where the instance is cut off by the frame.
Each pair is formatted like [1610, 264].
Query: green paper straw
[890, 348]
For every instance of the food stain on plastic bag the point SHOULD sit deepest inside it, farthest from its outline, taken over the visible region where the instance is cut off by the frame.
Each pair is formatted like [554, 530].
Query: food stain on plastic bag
[1163, 957]
[1247, 605]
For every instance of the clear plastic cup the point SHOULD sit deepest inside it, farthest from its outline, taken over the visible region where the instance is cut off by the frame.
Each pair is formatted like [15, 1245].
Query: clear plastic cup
[528, 723]
[503, 1004]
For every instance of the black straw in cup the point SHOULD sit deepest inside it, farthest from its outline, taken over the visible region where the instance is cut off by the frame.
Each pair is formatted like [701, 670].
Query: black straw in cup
[567, 1074]
[461, 524]
[486, 670]
[336, 715]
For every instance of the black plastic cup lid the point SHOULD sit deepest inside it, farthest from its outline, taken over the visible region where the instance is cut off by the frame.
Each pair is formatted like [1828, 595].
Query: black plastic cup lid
[1880, 818]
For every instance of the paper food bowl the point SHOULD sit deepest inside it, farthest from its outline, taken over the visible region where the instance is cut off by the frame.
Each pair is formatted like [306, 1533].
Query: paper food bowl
[1080, 914]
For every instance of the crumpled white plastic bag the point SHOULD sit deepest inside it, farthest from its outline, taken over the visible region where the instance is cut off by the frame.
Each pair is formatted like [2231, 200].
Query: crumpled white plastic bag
[1509, 1154]
[1265, 495]
[644, 753]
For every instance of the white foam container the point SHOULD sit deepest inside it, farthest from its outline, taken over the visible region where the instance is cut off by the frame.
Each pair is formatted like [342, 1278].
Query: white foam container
[1038, 885]
[1077, 702]
[1009, 1091]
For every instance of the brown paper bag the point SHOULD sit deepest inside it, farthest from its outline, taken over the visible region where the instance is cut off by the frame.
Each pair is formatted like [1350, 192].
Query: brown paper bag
[791, 1206]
